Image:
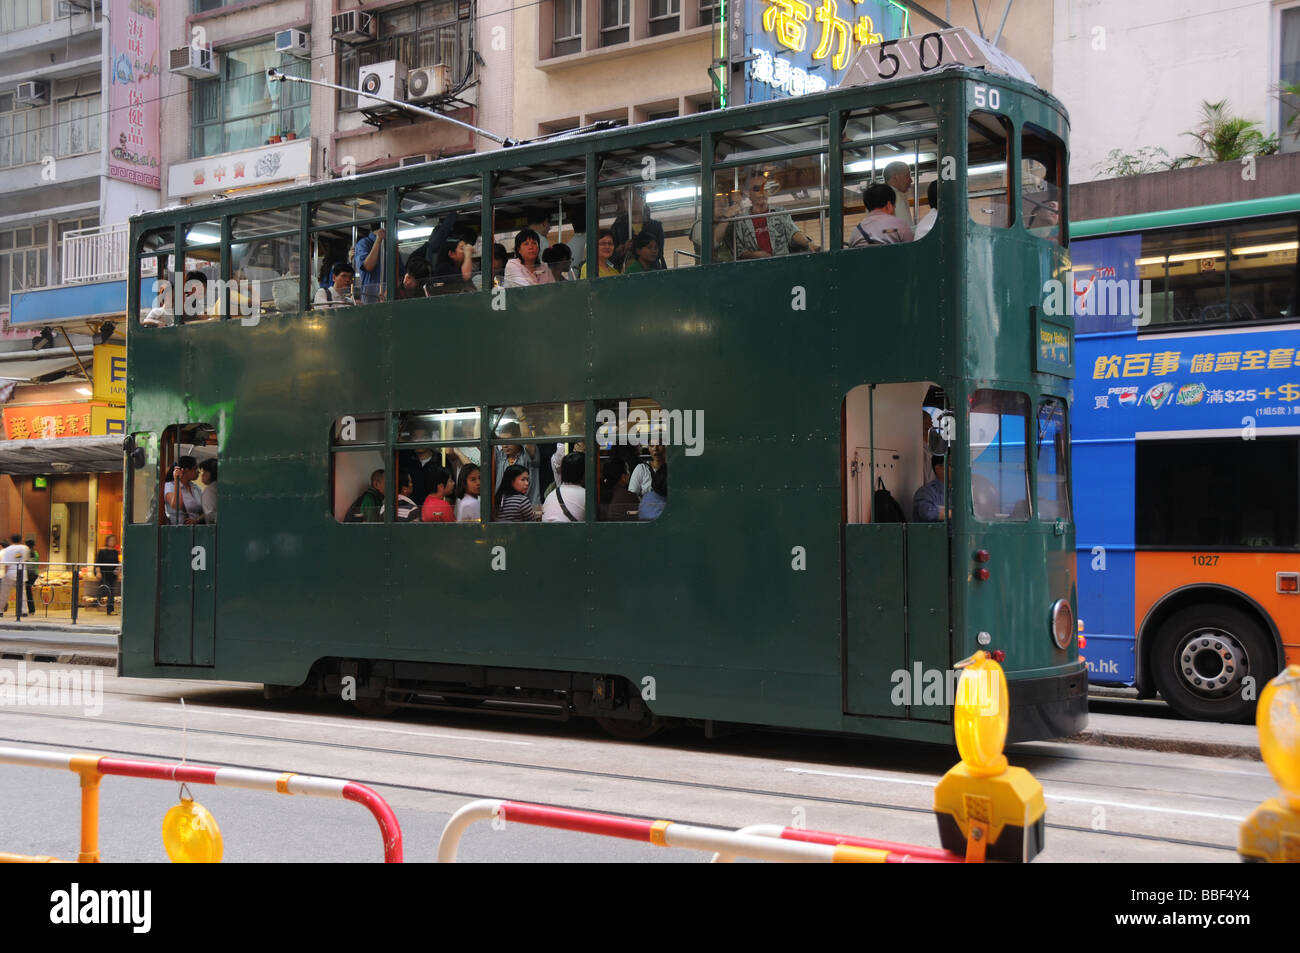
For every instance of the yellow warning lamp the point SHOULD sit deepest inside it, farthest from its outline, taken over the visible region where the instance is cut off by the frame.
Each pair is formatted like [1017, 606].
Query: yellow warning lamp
[1272, 832]
[985, 808]
[191, 835]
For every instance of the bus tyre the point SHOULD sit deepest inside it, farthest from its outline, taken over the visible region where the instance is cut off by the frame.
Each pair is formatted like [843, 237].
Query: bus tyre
[1201, 658]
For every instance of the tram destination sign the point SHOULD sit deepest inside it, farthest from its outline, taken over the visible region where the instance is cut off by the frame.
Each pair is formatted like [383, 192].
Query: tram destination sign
[918, 55]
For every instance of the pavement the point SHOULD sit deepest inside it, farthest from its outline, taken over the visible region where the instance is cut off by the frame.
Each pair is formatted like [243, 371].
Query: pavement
[1127, 722]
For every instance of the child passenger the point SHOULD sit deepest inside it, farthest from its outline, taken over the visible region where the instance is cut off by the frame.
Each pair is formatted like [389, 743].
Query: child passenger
[468, 483]
[436, 508]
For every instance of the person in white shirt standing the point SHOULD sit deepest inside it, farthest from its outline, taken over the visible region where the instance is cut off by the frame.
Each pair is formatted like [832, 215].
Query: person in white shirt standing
[183, 503]
[10, 558]
[567, 503]
[208, 476]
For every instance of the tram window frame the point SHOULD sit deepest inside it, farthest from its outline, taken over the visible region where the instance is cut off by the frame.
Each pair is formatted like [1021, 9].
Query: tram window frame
[143, 494]
[373, 440]
[1052, 462]
[503, 415]
[1043, 210]
[663, 177]
[251, 234]
[554, 192]
[986, 167]
[188, 310]
[462, 198]
[161, 312]
[320, 225]
[866, 153]
[627, 433]
[174, 439]
[467, 447]
[985, 492]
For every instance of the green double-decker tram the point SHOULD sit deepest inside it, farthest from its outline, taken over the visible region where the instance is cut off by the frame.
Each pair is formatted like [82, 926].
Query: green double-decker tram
[715, 286]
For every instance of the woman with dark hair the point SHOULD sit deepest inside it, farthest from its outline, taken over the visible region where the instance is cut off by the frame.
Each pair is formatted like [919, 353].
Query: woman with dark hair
[645, 253]
[604, 254]
[453, 268]
[617, 504]
[527, 269]
[567, 503]
[559, 259]
[512, 502]
[650, 482]
[468, 482]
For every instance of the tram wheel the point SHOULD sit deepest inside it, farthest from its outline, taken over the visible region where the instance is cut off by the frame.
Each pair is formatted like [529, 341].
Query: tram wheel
[375, 707]
[1202, 657]
[626, 729]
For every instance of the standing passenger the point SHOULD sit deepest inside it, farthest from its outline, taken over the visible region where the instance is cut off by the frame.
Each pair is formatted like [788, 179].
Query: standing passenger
[436, 509]
[568, 501]
[468, 484]
[898, 176]
[932, 216]
[208, 476]
[650, 482]
[182, 501]
[512, 502]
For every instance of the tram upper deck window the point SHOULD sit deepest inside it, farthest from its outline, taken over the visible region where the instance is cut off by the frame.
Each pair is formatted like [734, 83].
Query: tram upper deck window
[650, 205]
[770, 190]
[539, 214]
[155, 253]
[199, 297]
[437, 234]
[988, 168]
[1053, 461]
[897, 146]
[350, 230]
[999, 472]
[1042, 182]
[264, 261]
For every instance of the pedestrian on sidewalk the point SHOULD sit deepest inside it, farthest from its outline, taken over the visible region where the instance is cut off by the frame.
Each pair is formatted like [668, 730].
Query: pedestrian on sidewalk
[108, 559]
[33, 570]
[10, 558]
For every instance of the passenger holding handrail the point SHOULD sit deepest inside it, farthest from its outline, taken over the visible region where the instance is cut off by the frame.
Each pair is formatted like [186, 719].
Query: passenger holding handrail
[527, 269]
[182, 502]
[765, 233]
[369, 257]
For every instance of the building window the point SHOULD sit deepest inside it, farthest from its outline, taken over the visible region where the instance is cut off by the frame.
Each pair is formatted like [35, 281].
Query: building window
[568, 27]
[1289, 74]
[24, 259]
[665, 16]
[708, 11]
[242, 109]
[21, 14]
[24, 133]
[203, 6]
[78, 125]
[426, 34]
[615, 21]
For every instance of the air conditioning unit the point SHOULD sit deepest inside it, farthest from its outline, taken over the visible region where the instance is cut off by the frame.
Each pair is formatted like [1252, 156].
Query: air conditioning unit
[32, 93]
[294, 42]
[196, 63]
[387, 79]
[354, 26]
[418, 159]
[426, 83]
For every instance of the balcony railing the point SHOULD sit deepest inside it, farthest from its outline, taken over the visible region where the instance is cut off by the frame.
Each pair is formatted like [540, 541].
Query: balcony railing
[95, 254]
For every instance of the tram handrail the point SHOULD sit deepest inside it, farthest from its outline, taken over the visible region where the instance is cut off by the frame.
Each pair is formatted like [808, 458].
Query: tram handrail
[660, 833]
[92, 768]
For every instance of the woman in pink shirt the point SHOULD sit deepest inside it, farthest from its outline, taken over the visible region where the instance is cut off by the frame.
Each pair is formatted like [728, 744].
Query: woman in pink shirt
[527, 269]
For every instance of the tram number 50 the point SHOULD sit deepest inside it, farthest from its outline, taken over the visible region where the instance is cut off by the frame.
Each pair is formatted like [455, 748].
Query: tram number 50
[928, 50]
[987, 96]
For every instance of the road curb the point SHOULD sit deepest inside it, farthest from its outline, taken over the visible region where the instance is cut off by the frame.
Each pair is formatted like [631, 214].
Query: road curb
[1211, 749]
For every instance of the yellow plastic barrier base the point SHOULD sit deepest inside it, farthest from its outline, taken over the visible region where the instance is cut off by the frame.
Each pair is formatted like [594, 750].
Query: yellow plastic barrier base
[1009, 806]
[1271, 835]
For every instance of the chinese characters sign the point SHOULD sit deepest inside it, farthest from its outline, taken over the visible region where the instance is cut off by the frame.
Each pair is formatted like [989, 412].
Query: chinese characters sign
[52, 421]
[796, 47]
[135, 73]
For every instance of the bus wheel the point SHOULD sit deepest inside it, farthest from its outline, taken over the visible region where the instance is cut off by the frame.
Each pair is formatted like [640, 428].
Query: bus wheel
[1202, 657]
[627, 729]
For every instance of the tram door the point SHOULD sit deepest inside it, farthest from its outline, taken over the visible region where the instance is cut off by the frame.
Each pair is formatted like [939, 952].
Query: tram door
[187, 550]
[896, 640]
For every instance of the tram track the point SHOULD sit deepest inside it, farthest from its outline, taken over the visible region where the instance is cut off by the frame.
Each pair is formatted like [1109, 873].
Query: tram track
[785, 796]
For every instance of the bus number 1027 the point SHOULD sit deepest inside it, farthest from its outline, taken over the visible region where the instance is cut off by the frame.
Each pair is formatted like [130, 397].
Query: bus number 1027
[1205, 559]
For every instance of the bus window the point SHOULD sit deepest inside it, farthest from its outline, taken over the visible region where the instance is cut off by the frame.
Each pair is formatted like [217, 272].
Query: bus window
[988, 169]
[340, 229]
[437, 233]
[1042, 182]
[142, 471]
[157, 300]
[531, 441]
[650, 205]
[998, 472]
[769, 190]
[1261, 270]
[437, 447]
[1188, 272]
[357, 468]
[264, 255]
[1053, 461]
[630, 435]
[896, 146]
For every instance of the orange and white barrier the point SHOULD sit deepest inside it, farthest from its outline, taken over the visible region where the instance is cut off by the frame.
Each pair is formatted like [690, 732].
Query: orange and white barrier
[895, 853]
[833, 849]
[92, 768]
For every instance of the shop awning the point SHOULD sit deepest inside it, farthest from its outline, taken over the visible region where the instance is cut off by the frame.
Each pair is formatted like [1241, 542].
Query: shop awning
[61, 455]
[35, 368]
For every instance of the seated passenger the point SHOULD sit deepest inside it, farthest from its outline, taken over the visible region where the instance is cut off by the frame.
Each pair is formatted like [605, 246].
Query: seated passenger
[650, 482]
[881, 226]
[415, 280]
[499, 258]
[622, 226]
[765, 233]
[928, 504]
[512, 502]
[160, 315]
[194, 296]
[369, 506]
[605, 254]
[527, 269]
[1044, 219]
[932, 196]
[559, 259]
[645, 254]
[339, 293]
[453, 268]
[617, 504]
[467, 490]
[567, 503]
[436, 509]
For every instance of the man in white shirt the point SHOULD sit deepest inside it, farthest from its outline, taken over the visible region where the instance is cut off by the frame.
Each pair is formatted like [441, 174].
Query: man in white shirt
[567, 503]
[898, 176]
[339, 293]
[10, 558]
